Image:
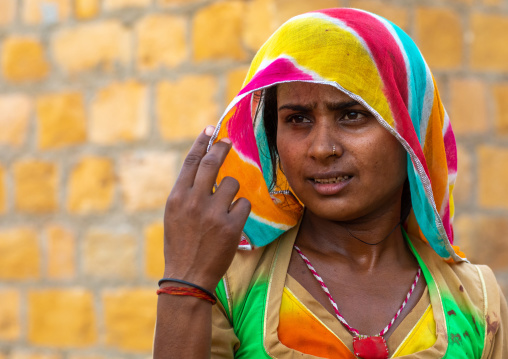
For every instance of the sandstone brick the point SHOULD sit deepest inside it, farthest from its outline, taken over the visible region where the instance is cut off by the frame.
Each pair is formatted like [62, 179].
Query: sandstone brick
[91, 356]
[23, 59]
[30, 354]
[489, 50]
[500, 93]
[86, 9]
[397, 14]
[259, 23]
[482, 239]
[15, 111]
[440, 37]
[36, 184]
[61, 318]
[492, 2]
[464, 2]
[109, 255]
[286, 9]
[45, 11]
[154, 255]
[120, 4]
[465, 179]
[161, 41]
[19, 254]
[61, 120]
[10, 327]
[185, 107]
[146, 179]
[235, 80]
[468, 111]
[7, 12]
[3, 192]
[119, 113]
[97, 45]
[91, 185]
[61, 246]
[493, 177]
[126, 328]
[223, 21]
[174, 3]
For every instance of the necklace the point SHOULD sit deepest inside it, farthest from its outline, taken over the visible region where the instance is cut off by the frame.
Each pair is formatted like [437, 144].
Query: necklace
[366, 347]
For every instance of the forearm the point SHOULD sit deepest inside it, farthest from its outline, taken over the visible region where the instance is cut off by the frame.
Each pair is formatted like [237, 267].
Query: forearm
[183, 328]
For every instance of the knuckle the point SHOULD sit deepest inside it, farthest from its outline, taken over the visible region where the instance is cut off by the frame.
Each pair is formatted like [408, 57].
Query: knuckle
[174, 199]
[210, 161]
[191, 159]
[193, 206]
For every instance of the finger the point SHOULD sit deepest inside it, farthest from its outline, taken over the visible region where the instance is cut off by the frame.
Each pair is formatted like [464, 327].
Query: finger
[193, 159]
[225, 193]
[239, 211]
[209, 166]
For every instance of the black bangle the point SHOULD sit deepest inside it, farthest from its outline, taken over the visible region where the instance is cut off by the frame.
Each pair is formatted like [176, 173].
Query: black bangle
[207, 292]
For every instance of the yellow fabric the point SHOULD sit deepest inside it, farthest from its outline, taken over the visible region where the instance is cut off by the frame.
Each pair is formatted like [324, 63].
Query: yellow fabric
[421, 337]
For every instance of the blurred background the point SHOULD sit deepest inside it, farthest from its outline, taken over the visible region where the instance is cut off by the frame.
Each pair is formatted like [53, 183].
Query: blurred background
[100, 101]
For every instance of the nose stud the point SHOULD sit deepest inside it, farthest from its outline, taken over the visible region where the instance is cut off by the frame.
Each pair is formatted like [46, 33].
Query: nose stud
[333, 150]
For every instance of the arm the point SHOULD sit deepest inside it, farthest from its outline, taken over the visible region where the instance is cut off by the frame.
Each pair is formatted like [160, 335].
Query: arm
[201, 233]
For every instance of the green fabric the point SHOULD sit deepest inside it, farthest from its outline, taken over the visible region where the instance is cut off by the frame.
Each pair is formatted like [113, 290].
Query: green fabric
[465, 324]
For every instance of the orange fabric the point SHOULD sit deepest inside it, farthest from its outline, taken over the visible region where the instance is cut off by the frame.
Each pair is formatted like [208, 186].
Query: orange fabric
[299, 329]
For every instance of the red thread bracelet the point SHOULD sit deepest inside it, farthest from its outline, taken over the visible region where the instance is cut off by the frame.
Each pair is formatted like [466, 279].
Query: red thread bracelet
[193, 292]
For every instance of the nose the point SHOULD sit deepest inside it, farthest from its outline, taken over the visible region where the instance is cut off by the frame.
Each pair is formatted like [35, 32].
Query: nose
[324, 143]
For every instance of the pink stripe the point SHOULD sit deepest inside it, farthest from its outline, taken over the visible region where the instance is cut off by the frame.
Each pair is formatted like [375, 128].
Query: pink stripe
[451, 150]
[279, 70]
[241, 132]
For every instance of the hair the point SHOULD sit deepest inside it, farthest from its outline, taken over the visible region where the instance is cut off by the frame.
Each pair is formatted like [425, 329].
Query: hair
[270, 120]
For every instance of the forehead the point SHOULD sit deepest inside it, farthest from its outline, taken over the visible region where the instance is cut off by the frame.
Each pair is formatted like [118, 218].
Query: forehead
[308, 92]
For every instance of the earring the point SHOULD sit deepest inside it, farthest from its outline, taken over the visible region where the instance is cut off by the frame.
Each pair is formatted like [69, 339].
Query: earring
[333, 150]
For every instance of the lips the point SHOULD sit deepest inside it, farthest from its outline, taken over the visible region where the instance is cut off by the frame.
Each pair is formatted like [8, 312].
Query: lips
[332, 180]
[330, 183]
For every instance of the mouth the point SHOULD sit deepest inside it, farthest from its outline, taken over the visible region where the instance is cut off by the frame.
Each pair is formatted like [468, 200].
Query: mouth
[332, 179]
[330, 183]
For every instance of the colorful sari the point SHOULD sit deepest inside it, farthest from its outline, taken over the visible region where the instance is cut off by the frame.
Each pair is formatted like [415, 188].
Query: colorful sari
[374, 62]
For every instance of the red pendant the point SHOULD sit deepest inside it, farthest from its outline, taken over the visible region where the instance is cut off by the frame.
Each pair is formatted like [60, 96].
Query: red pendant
[370, 347]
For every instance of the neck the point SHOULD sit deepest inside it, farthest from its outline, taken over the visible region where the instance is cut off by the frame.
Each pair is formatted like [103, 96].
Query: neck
[364, 244]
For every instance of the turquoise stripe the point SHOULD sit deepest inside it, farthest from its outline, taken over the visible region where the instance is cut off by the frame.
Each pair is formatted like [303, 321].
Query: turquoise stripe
[260, 233]
[264, 153]
[417, 76]
[424, 212]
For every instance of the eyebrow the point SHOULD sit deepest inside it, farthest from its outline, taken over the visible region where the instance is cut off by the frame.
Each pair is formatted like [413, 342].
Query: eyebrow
[335, 106]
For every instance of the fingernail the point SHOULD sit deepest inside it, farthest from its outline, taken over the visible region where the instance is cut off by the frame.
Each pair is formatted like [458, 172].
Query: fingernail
[209, 130]
[226, 140]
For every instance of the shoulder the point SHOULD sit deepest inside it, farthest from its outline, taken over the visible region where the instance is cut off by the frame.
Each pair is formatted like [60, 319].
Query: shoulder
[465, 282]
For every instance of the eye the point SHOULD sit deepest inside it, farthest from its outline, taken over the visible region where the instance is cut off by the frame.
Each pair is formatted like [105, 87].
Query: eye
[297, 119]
[354, 115]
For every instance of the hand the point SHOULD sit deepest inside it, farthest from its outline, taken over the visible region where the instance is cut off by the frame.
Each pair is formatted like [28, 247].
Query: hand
[202, 229]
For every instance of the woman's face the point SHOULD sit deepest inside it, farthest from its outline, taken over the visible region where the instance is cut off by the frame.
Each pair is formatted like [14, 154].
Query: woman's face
[364, 177]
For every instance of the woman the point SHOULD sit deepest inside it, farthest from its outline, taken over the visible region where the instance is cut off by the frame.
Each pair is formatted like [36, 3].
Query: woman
[345, 162]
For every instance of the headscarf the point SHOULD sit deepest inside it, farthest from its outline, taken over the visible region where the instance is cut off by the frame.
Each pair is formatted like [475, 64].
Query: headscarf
[375, 63]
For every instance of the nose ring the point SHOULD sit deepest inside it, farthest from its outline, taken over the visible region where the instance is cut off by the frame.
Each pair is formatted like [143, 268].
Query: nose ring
[333, 150]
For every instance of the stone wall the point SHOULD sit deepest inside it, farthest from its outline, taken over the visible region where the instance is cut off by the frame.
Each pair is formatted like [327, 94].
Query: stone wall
[99, 102]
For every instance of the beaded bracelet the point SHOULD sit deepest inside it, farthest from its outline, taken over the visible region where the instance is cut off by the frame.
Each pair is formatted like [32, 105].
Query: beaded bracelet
[193, 292]
[207, 292]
